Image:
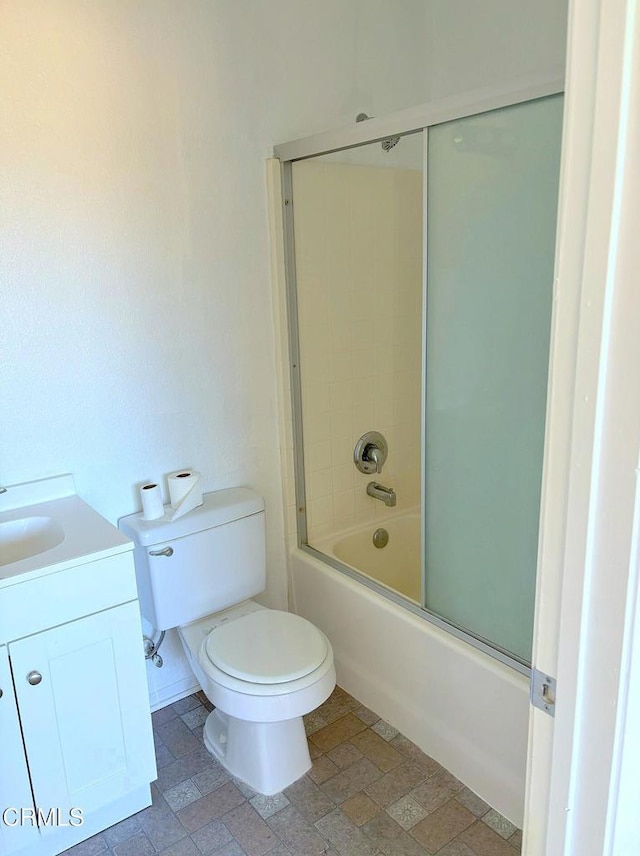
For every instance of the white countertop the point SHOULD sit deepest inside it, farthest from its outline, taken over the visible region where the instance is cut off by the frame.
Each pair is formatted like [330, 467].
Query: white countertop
[88, 537]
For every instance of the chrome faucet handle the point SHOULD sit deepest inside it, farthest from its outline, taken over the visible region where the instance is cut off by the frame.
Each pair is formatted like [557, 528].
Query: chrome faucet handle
[373, 454]
[370, 453]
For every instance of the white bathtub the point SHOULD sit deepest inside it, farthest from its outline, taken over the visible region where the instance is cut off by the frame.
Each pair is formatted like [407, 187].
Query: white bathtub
[465, 709]
[396, 566]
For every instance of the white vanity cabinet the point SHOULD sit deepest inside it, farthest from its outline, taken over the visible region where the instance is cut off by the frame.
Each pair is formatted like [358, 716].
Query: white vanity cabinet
[75, 725]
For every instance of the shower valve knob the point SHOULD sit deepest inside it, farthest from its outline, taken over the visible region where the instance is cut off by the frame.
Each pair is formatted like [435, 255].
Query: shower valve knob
[370, 453]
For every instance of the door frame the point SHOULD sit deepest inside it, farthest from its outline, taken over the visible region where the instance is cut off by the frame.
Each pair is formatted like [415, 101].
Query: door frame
[587, 633]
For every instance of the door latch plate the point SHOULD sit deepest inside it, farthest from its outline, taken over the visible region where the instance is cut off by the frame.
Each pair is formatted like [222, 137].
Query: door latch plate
[543, 691]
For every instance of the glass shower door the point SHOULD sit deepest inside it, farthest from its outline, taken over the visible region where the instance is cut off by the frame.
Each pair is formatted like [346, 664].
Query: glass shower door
[357, 216]
[491, 218]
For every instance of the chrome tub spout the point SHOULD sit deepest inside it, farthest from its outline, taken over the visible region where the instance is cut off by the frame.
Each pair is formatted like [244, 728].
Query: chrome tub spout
[384, 494]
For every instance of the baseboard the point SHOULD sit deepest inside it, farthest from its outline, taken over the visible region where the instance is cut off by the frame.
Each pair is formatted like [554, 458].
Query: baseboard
[173, 692]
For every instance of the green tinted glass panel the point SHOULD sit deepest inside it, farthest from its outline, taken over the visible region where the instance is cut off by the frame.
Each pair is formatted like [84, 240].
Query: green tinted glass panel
[492, 198]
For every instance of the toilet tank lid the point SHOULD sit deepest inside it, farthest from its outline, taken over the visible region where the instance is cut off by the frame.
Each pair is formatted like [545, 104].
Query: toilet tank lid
[218, 507]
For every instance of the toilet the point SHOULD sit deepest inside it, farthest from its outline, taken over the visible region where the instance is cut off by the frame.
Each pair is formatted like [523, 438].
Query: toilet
[263, 669]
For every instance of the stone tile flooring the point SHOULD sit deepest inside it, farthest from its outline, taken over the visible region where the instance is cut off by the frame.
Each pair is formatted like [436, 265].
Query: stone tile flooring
[371, 792]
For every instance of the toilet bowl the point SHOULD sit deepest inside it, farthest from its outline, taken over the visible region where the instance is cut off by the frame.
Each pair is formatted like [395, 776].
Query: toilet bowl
[256, 730]
[263, 669]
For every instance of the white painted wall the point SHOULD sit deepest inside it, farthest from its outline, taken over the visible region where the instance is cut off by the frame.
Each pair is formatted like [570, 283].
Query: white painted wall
[137, 332]
[482, 44]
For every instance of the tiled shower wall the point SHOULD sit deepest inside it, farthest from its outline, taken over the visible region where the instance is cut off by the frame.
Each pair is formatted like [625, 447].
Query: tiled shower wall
[358, 238]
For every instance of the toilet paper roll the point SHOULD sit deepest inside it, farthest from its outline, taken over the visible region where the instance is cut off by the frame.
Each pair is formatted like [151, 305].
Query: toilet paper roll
[151, 496]
[185, 491]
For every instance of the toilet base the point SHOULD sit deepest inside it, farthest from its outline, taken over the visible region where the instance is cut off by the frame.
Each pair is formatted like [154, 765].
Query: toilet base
[268, 756]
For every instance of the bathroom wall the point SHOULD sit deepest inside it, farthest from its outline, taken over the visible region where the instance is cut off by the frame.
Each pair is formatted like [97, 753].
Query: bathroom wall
[358, 235]
[137, 330]
[482, 44]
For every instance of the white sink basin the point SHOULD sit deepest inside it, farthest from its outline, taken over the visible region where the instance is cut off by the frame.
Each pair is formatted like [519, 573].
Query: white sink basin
[28, 536]
[46, 528]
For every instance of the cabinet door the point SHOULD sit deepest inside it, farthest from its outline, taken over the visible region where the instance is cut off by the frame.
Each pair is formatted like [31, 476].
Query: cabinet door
[86, 723]
[15, 790]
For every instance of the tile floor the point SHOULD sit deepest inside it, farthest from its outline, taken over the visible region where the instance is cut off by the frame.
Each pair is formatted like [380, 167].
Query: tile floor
[371, 792]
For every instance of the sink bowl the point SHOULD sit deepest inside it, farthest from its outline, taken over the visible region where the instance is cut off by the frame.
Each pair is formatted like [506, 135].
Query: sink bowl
[28, 536]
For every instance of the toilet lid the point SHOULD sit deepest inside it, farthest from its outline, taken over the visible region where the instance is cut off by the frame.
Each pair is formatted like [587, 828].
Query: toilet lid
[267, 647]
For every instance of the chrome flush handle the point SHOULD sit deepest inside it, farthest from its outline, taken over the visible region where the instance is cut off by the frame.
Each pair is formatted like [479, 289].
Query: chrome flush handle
[168, 551]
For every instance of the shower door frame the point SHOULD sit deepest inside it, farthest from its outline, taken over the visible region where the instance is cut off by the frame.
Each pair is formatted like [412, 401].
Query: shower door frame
[402, 123]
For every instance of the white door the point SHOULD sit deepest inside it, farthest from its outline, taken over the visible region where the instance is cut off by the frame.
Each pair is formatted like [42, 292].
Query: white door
[15, 791]
[580, 799]
[86, 723]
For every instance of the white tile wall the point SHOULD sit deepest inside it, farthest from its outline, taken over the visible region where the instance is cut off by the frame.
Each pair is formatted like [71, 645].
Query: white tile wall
[358, 233]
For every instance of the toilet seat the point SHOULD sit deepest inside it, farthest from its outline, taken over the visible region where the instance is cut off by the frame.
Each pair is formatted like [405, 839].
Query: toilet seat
[267, 701]
[266, 647]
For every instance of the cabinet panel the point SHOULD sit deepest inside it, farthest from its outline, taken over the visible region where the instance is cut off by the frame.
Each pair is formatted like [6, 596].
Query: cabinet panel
[36, 604]
[86, 723]
[15, 791]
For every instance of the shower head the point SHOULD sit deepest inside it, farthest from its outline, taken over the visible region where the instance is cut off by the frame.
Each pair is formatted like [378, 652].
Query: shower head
[387, 144]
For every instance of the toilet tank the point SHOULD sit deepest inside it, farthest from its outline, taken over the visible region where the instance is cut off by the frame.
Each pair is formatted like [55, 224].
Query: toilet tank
[211, 558]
